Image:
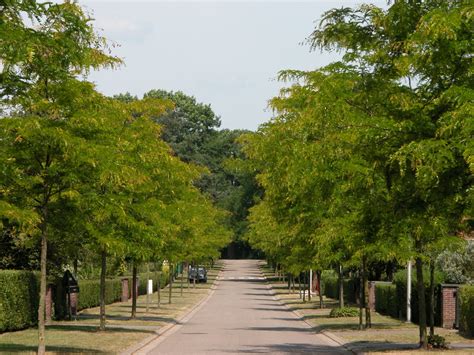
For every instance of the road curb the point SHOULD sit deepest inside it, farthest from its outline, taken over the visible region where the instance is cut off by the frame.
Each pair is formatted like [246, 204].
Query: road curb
[341, 342]
[152, 341]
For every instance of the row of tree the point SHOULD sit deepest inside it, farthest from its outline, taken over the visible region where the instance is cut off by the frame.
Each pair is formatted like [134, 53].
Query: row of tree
[371, 158]
[83, 172]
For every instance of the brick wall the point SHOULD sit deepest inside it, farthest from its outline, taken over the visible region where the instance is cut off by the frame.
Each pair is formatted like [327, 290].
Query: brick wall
[448, 303]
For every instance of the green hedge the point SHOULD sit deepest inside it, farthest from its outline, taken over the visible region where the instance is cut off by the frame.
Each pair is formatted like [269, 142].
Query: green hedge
[466, 298]
[19, 291]
[400, 280]
[142, 285]
[386, 299]
[89, 293]
[331, 288]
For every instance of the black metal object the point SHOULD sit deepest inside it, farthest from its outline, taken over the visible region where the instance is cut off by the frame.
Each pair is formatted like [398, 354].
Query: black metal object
[71, 286]
[70, 283]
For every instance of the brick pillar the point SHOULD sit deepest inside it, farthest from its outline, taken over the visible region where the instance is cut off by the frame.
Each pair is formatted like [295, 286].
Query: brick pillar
[125, 295]
[372, 295]
[74, 300]
[49, 303]
[448, 305]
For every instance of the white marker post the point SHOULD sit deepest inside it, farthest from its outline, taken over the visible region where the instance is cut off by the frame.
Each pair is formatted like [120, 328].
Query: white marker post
[149, 291]
[409, 291]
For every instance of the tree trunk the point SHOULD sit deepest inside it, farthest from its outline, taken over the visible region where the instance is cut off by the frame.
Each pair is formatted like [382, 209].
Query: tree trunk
[299, 284]
[42, 296]
[102, 289]
[134, 290]
[74, 265]
[304, 286]
[309, 286]
[159, 289]
[361, 298]
[318, 275]
[365, 275]
[170, 284]
[182, 280]
[421, 303]
[341, 288]
[432, 296]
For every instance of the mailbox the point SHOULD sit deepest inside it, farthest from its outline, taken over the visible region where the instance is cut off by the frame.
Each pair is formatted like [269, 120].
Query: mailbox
[70, 283]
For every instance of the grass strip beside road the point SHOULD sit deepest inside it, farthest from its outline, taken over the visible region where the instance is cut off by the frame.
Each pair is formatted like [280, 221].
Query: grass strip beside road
[82, 335]
[385, 331]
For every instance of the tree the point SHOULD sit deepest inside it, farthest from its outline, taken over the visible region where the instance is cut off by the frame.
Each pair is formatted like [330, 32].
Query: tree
[44, 47]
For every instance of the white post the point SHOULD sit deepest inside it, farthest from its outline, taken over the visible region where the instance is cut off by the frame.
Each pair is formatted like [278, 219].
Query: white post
[149, 291]
[310, 280]
[409, 291]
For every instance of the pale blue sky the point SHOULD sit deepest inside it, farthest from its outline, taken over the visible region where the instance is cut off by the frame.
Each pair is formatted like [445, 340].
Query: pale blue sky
[225, 53]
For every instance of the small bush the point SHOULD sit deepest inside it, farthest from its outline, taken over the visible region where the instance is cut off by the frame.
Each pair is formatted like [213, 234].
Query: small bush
[466, 299]
[19, 293]
[344, 312]
[437, 342]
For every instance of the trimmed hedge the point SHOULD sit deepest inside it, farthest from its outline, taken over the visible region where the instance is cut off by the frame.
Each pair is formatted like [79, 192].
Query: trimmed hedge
[19, 296]
[89, 293]
[386, 299]
[466, 300]
[331, 289]
[19, 291]
[142, 285]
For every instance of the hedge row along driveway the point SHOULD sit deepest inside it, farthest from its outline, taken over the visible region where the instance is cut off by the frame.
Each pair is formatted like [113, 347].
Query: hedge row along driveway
[19, 296]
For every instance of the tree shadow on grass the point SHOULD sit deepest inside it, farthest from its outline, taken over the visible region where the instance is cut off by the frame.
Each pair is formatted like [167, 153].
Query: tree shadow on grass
[126, 318]
[95, 329]
[20, 348]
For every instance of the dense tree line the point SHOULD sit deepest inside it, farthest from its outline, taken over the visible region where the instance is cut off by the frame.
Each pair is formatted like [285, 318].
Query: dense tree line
[370, 159]
[192, 130]
[81, 173]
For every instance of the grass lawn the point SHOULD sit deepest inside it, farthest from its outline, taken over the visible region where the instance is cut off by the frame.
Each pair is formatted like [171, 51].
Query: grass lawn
[81, 335]
[384, 329]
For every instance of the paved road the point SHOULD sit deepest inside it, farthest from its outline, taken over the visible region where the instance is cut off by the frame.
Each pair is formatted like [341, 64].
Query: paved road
[242, 317]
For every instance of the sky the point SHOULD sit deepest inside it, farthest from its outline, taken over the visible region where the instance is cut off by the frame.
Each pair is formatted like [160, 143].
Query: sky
[225, 53]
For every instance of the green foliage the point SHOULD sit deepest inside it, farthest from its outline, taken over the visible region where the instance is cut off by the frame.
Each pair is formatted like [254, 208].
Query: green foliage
[190, 128]
[458, 265]
[18, 299]
[89, 295]
[466, 299]
[386, 299]
[344, 312]
[331, 288]
[437, 342]
[143, 277]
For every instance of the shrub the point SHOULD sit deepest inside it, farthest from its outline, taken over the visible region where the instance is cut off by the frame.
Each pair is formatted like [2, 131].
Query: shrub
[437, 341]
[19, 291]
[400, 280]
[386, 300]
[344, 312]
[466, 300]
[331, 288]
[89, 293]
[142, 284]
